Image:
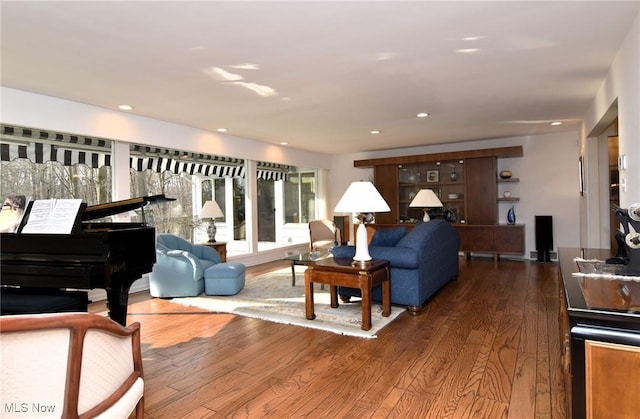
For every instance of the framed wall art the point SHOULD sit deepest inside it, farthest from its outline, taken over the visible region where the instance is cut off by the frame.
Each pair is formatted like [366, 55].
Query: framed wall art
[433, 176]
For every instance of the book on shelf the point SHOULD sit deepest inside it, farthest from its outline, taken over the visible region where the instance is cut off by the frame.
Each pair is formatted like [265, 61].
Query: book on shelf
[52, 216]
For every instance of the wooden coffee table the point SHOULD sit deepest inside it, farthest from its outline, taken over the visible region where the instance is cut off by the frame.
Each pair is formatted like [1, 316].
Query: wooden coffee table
[343, 272]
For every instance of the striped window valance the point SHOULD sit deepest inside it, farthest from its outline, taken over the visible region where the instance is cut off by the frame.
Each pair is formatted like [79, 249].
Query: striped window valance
[272, 171]
[177, 161]
[16, 133]
[160, 165]
[271, 175]
[41, 146]
[42, 153]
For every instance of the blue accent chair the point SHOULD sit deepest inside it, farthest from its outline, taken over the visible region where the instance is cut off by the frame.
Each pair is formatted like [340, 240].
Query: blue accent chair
[180, 266]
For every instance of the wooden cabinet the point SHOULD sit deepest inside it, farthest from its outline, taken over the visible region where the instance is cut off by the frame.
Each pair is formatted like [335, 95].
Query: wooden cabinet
[611, 370]
[466, 182]
[220, 247]
[386, 180]
[343, 222]
[600, 340]
[481, 191]
[497, 239]
[444, 178]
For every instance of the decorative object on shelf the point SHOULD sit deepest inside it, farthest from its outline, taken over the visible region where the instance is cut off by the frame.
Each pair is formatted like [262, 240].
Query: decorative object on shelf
[511, 216]
[507, 194]
[412, 195]
[450, 215]
[453, 176]
[505, 174]
[453, 196]
[211, 210]
[362, 198]
[426, 199]
[433, 176]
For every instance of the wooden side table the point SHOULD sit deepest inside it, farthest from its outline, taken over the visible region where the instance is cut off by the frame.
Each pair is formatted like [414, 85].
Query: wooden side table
[220, 247]
[340, 272]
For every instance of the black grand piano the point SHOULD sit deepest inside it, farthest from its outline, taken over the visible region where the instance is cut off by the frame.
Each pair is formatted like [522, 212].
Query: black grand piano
[104, 255]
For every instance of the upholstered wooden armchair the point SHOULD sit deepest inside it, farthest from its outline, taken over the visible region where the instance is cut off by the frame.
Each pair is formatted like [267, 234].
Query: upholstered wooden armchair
[76, 365]
[323, 234]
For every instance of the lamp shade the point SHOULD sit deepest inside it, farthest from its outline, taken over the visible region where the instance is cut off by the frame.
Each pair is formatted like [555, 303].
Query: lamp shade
[425, 198]
[362, 197]
[212, 210]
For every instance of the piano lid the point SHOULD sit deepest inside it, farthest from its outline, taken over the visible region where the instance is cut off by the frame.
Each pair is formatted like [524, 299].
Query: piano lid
[95, 212]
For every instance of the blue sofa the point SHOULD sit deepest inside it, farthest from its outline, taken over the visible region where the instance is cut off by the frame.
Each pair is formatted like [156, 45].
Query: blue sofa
[422, 261]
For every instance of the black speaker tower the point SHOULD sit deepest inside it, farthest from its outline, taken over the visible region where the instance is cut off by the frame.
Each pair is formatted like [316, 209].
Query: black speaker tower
[544, 237]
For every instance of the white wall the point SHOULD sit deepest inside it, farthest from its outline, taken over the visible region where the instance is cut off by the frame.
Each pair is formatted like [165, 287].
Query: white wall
[618, 96]
[548, 175]
[44, 112]
[622, 84]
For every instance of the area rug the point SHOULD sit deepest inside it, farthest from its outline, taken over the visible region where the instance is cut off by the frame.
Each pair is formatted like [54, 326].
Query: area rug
[271, 297]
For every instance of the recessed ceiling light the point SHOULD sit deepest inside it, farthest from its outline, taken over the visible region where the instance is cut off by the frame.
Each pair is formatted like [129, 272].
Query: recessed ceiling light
[472, 38]
[222, 130]
[125, 107]
[556, 123]
[422, 115]
[468, 50]
[375, 131]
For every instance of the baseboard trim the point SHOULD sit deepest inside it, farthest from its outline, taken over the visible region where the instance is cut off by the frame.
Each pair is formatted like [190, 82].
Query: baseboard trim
[534, 255]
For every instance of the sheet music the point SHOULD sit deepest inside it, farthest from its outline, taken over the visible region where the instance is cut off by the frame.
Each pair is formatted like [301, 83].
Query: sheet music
[52, 216]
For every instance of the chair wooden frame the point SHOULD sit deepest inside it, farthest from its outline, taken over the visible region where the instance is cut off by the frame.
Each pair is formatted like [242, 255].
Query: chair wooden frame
[323, 234]
[78, 325]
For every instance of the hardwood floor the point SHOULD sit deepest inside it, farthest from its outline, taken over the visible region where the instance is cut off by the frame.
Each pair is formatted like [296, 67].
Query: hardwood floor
[486, 346]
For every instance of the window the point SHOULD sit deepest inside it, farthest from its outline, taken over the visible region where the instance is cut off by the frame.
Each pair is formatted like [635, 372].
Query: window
[239, 215]
[42, 164]
[180, 175]
[214, 189]
[300, 197]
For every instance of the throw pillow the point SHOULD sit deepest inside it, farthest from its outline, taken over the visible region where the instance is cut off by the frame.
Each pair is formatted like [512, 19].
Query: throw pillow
[388, 237]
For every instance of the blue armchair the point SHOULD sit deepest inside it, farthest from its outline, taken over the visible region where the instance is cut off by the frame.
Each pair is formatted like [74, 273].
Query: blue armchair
[179, 268]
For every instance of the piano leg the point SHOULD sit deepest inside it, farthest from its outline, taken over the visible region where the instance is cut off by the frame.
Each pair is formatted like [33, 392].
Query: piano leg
[118, 301]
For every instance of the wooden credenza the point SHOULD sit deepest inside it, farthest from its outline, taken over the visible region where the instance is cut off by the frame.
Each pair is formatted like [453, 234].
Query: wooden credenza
[496, 239]
[600, 335]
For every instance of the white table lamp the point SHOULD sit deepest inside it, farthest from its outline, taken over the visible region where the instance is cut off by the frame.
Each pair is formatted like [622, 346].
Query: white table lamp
[211, 210]
[362, 197]
[426, 199]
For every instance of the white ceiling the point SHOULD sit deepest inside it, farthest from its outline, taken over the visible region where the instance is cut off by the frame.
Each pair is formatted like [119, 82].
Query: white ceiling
[322, 75]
